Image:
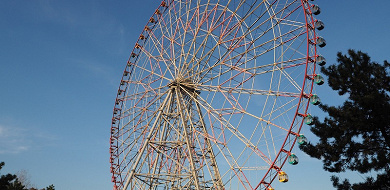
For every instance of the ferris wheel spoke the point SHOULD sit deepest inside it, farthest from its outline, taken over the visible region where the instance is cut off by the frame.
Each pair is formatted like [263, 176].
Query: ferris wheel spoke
[271, 66]
[181, 35]
[208, 32]
[145, 143]
[149, 76]
[266, 50]
[282, 109]
[270, 43]
[271, 17]
[163, 52]
[203, 61]
[268, 67]
[151, 92]
[231, 128]
[288, 22]
[138, 128]
[290, 79]
[157, 59]
[142, 107]
[211, 88]
[217, 38]
[196, 28]
[236, 169]
[271, 69]
[282, 64]
[224, 122]
[263, 33]
[268, 122]
[178, 33]
[164, 56]
[217, 45]
[213, 95]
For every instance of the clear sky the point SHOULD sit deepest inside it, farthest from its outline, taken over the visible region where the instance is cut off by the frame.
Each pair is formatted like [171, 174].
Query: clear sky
[60, 67]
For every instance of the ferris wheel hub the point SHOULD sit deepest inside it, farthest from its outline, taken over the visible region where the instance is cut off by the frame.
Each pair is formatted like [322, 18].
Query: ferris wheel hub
[184, 83]
[255, 63]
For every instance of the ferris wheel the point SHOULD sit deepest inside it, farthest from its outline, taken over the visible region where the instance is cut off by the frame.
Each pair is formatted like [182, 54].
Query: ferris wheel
[215, 93]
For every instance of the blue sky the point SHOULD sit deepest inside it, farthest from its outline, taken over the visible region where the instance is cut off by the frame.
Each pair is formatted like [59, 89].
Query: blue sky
[61, 63]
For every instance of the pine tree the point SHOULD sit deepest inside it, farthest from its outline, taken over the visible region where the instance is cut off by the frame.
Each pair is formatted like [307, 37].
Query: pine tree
[10, 181]
[355, 136]
[50, 187]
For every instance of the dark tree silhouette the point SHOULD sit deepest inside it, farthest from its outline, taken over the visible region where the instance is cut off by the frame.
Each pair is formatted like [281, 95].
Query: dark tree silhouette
[50, 187]
[10, 181]
[356, 135]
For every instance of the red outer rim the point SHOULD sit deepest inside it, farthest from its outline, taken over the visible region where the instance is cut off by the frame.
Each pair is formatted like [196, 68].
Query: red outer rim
[121, 91]
[283, 152]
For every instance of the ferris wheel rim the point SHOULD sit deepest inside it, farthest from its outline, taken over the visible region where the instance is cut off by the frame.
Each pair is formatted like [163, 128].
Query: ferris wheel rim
[162, 8]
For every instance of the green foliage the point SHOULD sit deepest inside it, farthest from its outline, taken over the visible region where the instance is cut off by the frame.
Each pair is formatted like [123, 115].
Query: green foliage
[51, 187]
[16, 185]
[11, 182]
[356, 135]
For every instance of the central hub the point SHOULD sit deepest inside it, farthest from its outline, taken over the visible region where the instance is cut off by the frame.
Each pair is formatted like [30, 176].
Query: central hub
[185, 83]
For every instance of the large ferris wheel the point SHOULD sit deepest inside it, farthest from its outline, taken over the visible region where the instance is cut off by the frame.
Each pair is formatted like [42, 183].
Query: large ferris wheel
[215, 93]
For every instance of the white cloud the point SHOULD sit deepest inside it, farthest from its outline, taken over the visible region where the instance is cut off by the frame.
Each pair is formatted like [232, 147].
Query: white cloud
[14, 140]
